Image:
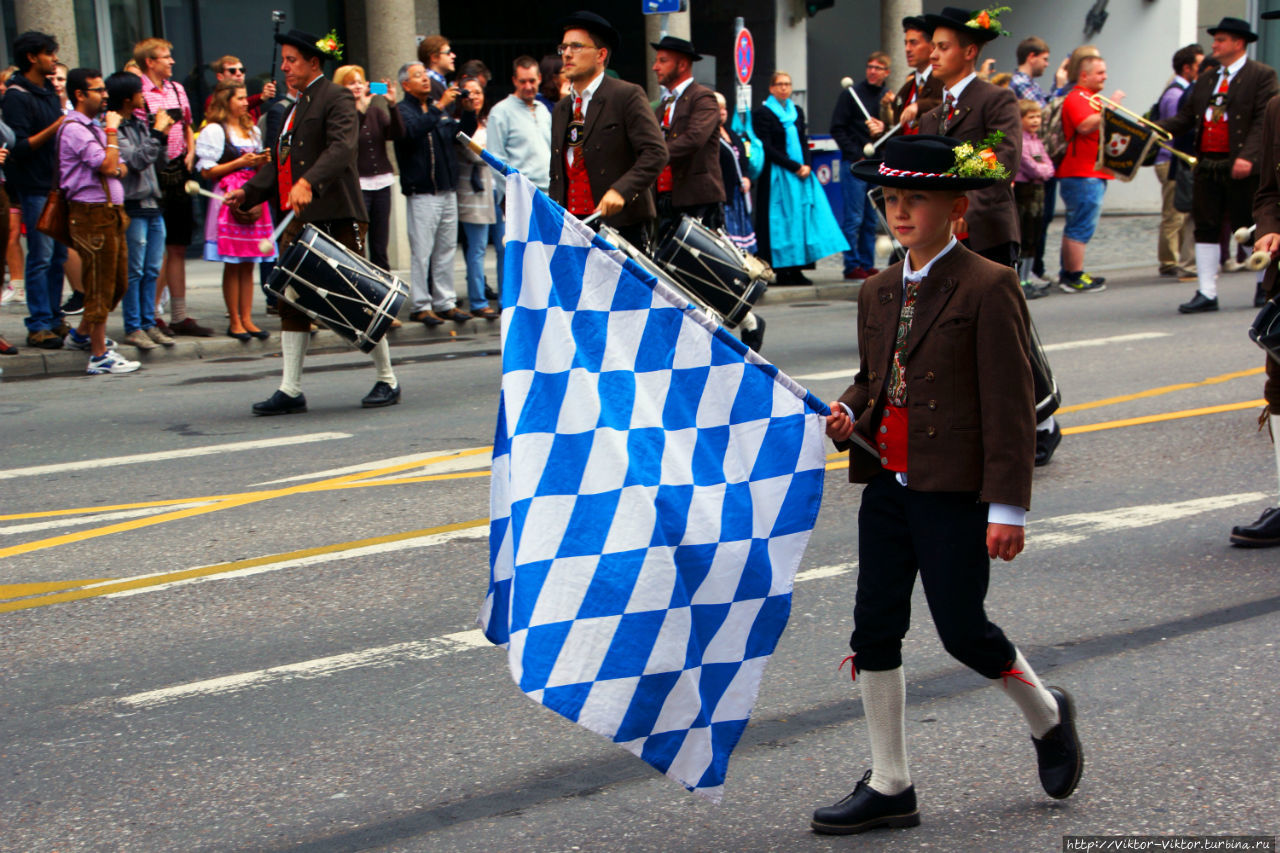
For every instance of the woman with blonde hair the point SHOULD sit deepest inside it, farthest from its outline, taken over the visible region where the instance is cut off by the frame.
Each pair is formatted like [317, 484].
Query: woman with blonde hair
[379, 122]
[228, 153]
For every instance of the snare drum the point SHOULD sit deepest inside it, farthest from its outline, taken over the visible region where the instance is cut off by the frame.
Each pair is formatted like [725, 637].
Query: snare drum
[331, 284]
[713, 269]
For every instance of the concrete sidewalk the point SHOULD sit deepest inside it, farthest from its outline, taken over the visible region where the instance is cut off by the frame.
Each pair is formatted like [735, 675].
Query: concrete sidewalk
[1124, 244]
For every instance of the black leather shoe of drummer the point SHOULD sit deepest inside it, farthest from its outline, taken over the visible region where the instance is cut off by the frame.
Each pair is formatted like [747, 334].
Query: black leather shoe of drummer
[754, 338]
[381, 395]
[281, 403]
[867, 808]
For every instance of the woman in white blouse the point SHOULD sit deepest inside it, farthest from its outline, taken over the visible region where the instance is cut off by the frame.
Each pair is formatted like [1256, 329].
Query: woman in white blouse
[228, 152]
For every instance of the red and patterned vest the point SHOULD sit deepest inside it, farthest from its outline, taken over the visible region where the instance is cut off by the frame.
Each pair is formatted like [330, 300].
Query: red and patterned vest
[1215, 136]
[581, 202]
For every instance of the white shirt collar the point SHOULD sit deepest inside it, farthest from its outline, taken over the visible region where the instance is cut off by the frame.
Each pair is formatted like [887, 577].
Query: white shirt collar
[960, 87]
[1180, 81]
[675, 93]
[909, 274]
[588, 92]
[1234, 68]
[922, 77]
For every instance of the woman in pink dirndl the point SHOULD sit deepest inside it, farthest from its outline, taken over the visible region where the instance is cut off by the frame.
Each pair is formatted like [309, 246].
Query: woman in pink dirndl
[228, 153]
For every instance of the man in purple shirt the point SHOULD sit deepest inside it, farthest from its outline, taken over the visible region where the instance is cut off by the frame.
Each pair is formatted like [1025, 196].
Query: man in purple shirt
[91, 169]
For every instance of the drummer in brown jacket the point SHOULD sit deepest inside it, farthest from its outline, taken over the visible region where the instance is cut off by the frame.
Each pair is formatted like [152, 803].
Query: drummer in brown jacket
[941, 419]
[313, 173]
[606, 147]
[691, 184]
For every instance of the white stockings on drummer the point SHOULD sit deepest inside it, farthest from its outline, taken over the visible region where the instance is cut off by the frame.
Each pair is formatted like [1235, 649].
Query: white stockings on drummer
[293, 352]
[382, 361]
[1207, 268]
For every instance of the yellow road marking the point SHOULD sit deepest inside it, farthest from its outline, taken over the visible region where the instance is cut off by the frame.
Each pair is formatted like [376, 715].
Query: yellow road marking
[1166, 416]
[1156, 392]
[222, 568]
[22, 590]
[231, 502]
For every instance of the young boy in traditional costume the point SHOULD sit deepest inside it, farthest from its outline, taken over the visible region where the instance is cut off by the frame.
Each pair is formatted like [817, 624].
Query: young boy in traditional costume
[940, 422]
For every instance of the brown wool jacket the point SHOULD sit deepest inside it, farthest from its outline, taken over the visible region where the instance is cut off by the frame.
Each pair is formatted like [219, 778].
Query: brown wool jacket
[693, 146]
[928, 98]
[982, 110]
[1266, 213]
[325, 128]
[623, 146]
[1247, 97]
[970, 403]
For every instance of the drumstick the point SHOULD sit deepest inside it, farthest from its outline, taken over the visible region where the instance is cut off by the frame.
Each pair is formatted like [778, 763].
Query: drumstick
[870, 148]
[847, 82]
[1244, 235]
[1257, 261]
[265, 245]
[194, 188]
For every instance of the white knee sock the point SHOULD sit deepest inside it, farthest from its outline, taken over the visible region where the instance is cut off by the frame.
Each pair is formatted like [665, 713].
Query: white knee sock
[293, 351]
[1275, 433]
[1036, 703]
[1207, 268]
[382, 361]
[884, 700]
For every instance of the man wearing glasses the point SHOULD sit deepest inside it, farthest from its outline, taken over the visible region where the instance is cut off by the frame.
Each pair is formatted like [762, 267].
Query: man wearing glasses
[231, 69]
[438, 57]
[852, 130]
[606, 147]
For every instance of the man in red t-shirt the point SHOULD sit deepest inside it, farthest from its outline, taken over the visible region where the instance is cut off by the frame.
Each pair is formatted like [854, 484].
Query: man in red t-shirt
[1080, 182]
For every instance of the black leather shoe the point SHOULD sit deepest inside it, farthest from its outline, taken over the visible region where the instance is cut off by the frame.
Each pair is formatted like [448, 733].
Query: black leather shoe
[457, 315]
[1047, 441]
[754, 338]
[1263, 533]
[1059, 754]
[427, 318]
[281, 403]
[1260, 296]
[243, 337]
[381, 395]
[1199, 304]
[867, 809]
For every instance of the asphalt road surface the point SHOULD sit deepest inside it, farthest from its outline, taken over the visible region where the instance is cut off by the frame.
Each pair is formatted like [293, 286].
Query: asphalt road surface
[226, 633]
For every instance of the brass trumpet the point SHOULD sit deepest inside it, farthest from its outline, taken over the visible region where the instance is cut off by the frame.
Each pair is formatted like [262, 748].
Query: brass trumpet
[1162, 136]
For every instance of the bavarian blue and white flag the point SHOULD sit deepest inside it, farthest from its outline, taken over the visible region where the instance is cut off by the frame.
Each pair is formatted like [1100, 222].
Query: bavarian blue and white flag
[654, 486]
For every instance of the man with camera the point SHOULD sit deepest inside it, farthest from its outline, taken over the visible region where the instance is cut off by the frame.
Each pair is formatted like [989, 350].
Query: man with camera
[429, 180]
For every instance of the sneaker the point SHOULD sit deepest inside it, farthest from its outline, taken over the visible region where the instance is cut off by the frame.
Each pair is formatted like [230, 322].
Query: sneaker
[1031, 290]
[140, 339]
[1081, 283]
[14, 291]
[75, 340]
[110, 362]
[159, 337]
[74, 304]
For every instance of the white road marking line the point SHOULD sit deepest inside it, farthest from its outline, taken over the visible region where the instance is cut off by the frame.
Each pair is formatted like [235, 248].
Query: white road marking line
[1070, 529]
[313, 560]
[383, 656]
[71, 521]
[1101, 342]
[164, 455]
[463, 463]
[1079, 526]
[1065, 345]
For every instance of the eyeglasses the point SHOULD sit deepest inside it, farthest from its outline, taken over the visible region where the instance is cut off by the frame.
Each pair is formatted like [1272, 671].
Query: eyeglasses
[877, 68]
[448, 52]
[98, 89]
[574, 47]
[234, 69]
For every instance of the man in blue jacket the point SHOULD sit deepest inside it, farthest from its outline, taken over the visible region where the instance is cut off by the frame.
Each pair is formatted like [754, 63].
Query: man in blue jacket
[33, 110]
[429, 180]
